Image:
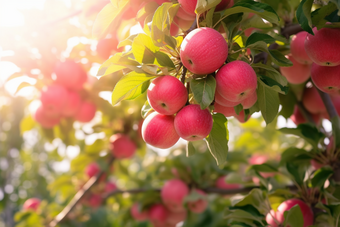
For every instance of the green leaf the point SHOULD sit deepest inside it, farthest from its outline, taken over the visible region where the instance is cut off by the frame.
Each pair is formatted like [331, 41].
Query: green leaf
[128, 41]
[217, 140]
[130, 86]
[205, 5]
[293, 217]
[204, 90]
[255, 37]
[288, 104]
[143, 49]
[249, 6]
[256, 198]
[293, 169]
[268, 101]
[238, 109]
[272, 84]
[164, 60]
[320, 177]
[294, 154]
[306, 131]
[272, 72]
[264, 168]
[190, 149]
[318, 15]
[303, 15]
[146, 109]
[106, 17]
[160, 27]
[27, 124]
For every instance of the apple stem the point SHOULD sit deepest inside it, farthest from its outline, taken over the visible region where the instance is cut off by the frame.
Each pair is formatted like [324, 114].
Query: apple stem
[78, 196]
[182, 77]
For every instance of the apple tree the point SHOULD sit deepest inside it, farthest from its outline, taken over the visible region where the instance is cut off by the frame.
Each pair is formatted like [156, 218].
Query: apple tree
[173, 113]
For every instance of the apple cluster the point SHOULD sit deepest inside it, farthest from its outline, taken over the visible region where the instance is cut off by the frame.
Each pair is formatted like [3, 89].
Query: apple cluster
[276, 219]
[62, 99]
[172, 210]
[162, 129]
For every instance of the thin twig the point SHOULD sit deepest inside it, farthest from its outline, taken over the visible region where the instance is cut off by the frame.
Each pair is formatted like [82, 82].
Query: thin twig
[78, 196]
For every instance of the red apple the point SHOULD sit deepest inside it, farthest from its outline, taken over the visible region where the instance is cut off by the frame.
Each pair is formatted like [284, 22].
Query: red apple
[92, 169]
[86, 112]
[70, 74]
[221, 183]
[307, 212]
[236, 81]
[297, 48]
[159, 130]
[137, 214]
[250, 101]
[298, 118]
[189, 6]
[173, 193]
[167, 95]
[297, 73]
[326, 78]
[198, 206]
[45, 120]
[258, 159]
[312, 101]
[192, 123]
[203, 51]
[53, 99]
[241, 117]
[110, 187]
[184, 15]
[95, 200]
[158, 214]
[122, 146]
[31, 204]
[106, 47]
[270, 219]
[316, 164]
[323, 47]
[226, 111]
[72, 104]
[224, 102]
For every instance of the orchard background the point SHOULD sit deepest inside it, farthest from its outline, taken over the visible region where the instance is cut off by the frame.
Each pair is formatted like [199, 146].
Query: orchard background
[251, 87]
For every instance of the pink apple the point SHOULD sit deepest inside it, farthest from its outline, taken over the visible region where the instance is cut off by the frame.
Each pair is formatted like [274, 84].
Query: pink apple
[298, 118]
[175, 218]
[184, 15]
[70, 74]
[307, 212]
[226, 111]
[312, 101]
[72, 104]
[326, 78]
[192, 123]
[297, 48]
[174, 29]
[167, 95]
[224, 102]
[158, 214]
[86, 112]
[45, 120]
[189, 6]
[236, 81]
[250, 101]
[259, 159]
[221, 183]
[323, 48]
[53, 99]
[249, 31]
[122, 146]
[106, 47]
[198, 206]
[224, 4]
[31, 204]
[92, 169]
[270, 219]
[173, 193]
[159, 130]
[297, 73]
[95, 200]
[203, 51]
[241, 117]
[110, 187]
[137, 214]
